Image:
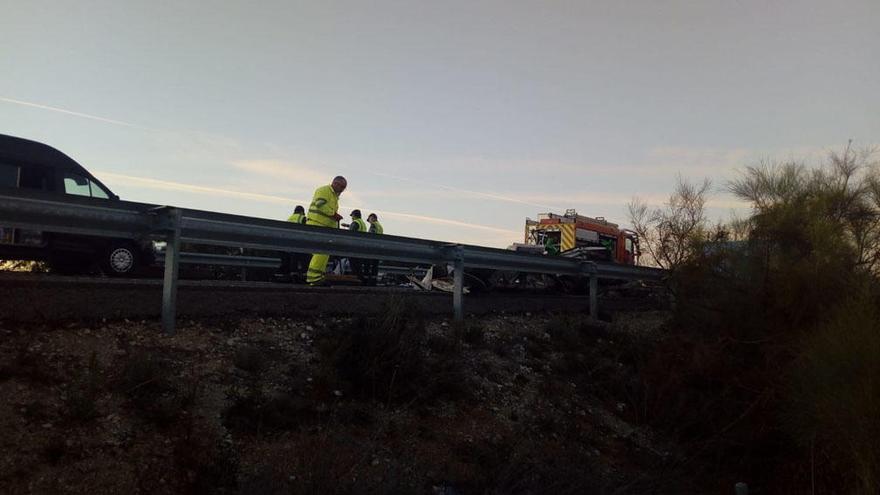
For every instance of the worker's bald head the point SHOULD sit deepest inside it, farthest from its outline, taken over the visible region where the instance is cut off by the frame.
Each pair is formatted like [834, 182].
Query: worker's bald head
[339, 184]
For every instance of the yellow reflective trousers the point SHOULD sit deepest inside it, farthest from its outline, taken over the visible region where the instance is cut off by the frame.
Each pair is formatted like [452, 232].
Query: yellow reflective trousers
[325, 203]
[317, 267]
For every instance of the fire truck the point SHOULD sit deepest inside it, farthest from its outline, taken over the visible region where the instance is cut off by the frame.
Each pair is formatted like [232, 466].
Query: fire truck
[569, 235]
[579, 236]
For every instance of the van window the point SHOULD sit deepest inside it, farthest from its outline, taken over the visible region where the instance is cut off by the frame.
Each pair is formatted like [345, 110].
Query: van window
[35, 177]
[80, 185]
[8, 175]
[98, 191]
[76, 184]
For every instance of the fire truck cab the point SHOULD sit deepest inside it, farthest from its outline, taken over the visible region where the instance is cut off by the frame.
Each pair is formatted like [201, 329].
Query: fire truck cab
[581, 236]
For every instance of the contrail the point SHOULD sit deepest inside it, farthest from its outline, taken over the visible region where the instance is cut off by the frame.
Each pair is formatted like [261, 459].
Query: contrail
[75, 114]
[496, 197]
[180, 186]
[267, 198]
[444, 221]
[276, 199]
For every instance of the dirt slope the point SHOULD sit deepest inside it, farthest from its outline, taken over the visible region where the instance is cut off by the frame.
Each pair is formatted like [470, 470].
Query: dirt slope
[501, 404]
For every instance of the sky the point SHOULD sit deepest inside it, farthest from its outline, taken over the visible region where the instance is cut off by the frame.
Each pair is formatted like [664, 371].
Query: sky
[452, 120]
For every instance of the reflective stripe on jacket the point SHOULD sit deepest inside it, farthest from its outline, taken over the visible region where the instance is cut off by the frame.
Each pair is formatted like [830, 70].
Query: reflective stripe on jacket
[297, 218]
[324, 205]
[358, 225]
[376, 228]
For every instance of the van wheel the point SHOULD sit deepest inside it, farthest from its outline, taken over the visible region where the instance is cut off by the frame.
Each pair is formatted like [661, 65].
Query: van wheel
[120, 259]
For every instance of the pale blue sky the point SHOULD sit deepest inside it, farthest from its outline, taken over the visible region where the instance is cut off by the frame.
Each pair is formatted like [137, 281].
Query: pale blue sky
[452, 120]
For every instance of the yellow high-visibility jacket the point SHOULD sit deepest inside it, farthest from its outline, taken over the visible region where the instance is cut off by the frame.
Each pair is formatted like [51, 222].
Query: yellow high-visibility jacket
[376, 228]
[297, 218]
[324, 206]
[358, 225]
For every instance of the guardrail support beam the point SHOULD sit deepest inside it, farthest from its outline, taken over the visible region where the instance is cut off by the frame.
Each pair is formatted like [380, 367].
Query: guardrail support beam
[172, 262]
[458, 291]
[594, 296]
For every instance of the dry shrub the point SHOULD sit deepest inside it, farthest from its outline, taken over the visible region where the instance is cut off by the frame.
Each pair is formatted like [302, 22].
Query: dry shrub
[203, 461]
[378, 358]
[250, 359]
[568, 330]
[669, 234]
[265, 480]
[29, 364]
[387, 358]
[470, 332]
[834, 392]
[252, 410]
[525, 465]
[147, 381]
[755, 371]
[327, 463]
[83, 394]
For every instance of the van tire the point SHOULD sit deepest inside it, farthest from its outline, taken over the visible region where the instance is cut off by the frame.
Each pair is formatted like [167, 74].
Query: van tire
[120, 259]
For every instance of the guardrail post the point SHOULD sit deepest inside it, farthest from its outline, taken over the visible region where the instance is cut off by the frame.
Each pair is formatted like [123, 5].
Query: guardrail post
[594, 296]
[592, 271]
[172, 262]
[458, 291]
[244, 268]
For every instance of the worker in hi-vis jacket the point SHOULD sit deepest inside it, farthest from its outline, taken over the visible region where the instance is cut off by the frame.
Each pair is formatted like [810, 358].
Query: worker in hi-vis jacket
[323, 212]
[371, 267]
[375, 226]
[294, 265]
[358, 265]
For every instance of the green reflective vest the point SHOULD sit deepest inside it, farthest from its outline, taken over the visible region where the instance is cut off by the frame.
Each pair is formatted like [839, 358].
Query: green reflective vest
[358, 225]
[297, 218]
[376, 228]
[324, 205]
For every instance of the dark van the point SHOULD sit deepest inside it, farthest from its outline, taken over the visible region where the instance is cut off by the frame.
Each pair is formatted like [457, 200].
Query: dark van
[26, 164]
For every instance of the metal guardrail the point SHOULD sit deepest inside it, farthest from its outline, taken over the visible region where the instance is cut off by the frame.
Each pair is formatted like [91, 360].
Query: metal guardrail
[123, 219]
[267, 262]
[242, 261]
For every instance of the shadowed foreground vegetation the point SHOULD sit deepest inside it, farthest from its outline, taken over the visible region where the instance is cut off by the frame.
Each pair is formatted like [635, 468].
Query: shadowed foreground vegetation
[389, 405]
[773, 365]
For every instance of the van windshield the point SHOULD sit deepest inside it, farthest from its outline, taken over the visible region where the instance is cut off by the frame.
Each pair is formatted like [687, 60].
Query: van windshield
[76, 184]
[98, 191]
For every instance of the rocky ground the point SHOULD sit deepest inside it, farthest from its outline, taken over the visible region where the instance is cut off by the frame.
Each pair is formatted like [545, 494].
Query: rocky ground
[501, 404]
